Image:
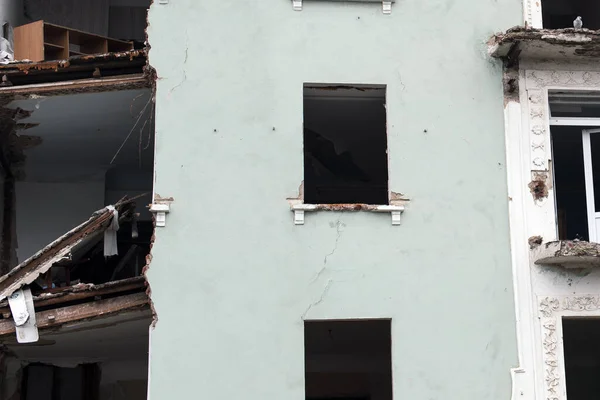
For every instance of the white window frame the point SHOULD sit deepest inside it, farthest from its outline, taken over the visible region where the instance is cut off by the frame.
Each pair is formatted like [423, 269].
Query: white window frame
[533, 13]
[592, 216]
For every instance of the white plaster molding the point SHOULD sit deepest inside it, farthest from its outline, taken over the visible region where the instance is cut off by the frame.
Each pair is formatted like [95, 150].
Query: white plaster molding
[533, 13]
[538, 79]
[387, 7]
[160, 211]
[523, 377]
[537, 84]
[552, 310]
[395, 211]
[538, 115]
[528, 152]
[386, 4]
[300, 209]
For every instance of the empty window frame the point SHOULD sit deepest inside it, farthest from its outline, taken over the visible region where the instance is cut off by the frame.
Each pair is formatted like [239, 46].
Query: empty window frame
[582, 357]
[559, 14]
[348, 360]
[345, 144]
[575, 133]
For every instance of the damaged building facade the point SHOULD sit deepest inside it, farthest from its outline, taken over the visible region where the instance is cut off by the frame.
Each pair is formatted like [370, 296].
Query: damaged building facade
[552, 113]
[337, 221]
[76, 163]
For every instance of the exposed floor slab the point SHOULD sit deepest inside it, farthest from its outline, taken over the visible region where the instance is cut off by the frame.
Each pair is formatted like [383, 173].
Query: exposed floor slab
[569, 254]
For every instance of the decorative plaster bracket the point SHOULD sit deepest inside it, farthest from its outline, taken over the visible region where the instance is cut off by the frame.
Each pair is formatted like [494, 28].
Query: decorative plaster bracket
[387, 7]
[160, 211]
[396, 212]
[300, 209]
[387, 4]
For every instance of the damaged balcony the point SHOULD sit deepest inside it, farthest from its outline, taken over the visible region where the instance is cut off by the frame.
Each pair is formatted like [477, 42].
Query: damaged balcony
[545, 43]
[568, 254]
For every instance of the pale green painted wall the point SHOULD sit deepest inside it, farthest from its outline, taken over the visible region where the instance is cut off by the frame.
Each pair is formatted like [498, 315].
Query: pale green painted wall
[232, 276]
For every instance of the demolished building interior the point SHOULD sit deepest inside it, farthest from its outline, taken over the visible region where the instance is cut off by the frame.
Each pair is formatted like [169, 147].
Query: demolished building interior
[76, 162]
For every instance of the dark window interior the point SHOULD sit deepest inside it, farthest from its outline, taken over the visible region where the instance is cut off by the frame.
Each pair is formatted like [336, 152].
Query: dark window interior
[581, 339]
[123, 19]
[558, 14]
[569, 181]
[345, 145]
[348, 360]
[47, 382]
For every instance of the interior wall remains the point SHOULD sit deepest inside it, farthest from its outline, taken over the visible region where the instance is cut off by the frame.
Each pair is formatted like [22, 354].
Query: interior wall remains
[11, 11]
[86, 15]
[46, 211]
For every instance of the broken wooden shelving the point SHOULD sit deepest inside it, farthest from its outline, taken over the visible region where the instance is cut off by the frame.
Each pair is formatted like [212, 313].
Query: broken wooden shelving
[39, 41]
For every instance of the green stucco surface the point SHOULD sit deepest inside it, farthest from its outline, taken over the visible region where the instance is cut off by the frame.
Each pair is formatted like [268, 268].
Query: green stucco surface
[232, 277]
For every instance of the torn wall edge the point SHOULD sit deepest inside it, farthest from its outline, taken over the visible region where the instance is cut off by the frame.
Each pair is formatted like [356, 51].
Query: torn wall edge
[82, 312]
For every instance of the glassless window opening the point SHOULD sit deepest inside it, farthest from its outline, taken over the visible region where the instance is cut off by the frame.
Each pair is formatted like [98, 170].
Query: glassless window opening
[345, 145]
[348, 360]
[559, 14]
[581, 347]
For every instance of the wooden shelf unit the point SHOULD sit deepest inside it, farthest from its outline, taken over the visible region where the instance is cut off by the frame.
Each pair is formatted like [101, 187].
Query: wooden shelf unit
[41, 41]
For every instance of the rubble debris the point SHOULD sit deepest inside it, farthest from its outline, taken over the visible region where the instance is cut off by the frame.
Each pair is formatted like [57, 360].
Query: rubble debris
[7, 53]
[538, 186]
[80, 312]
[62, 248]
[535, 241]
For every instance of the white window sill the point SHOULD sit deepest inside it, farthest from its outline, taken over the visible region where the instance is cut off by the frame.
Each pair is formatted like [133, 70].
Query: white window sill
[300, 209]
[386, 4]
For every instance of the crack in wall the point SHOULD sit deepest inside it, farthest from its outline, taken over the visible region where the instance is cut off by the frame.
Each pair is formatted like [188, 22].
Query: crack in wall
[319, 301]
[338, 224]
[185, 59]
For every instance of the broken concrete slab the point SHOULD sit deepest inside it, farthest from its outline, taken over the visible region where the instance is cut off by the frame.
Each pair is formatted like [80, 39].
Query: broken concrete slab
[545, 43]
[569, 254]
[60, 249]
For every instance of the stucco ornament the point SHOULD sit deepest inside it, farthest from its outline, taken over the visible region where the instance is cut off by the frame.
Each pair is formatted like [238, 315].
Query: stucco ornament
[551, 310]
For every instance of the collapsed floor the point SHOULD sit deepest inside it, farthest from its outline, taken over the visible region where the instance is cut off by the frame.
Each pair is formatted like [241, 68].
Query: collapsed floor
[76, 169]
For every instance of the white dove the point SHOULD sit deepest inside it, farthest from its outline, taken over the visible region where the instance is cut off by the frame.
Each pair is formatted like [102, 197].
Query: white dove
[578, 23]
